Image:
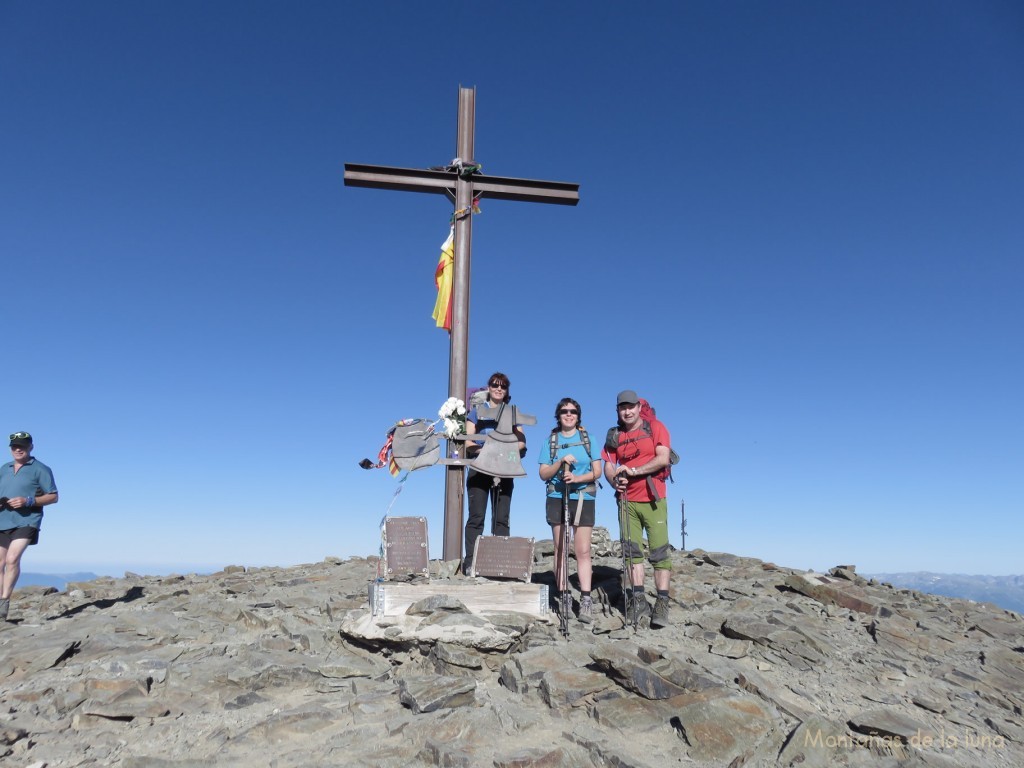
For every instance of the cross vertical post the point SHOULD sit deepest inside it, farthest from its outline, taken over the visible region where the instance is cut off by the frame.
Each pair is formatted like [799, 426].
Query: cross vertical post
[463, 186]
[458, 366]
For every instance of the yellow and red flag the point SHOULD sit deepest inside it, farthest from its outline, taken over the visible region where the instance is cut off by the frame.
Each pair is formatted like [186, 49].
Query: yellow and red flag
[444, 276]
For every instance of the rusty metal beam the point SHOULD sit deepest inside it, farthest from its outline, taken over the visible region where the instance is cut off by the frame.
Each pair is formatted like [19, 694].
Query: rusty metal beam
[405, 179]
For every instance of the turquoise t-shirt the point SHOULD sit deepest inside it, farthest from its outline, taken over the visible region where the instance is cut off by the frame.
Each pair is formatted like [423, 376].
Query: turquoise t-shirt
[564, 446]
[33, 479]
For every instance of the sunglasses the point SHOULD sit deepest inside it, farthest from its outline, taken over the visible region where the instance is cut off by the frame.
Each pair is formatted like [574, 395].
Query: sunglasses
[497, 385]
[21, 436]
[567, 411]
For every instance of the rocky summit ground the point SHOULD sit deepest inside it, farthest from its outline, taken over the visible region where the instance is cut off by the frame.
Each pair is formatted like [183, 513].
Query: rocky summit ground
[761, 666]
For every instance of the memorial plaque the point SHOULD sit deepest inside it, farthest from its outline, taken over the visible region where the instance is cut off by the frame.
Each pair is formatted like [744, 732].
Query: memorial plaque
[503, 557]
[405, 547]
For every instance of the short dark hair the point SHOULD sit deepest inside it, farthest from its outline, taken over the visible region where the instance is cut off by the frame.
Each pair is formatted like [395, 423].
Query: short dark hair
[564, 402]
[502, 379]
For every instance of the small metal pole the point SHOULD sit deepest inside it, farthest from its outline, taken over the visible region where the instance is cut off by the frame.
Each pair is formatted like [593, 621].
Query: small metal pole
[682, 528]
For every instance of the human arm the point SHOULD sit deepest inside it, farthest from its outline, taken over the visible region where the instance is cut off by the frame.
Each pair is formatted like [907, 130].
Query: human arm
[521, 437]
[613, 474]
[472, 447]
[562, 464]
[548, 471]
[659, 462]
[24, 502]
[586, 477]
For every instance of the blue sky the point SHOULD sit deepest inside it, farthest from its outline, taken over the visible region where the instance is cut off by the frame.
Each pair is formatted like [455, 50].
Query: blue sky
[799, 236]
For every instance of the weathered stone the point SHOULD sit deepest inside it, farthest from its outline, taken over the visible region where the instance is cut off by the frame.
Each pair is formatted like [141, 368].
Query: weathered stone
[349, 665]
[434, 603]
[288, 667]
[568, 687]
[748, 628]
[517, 622]
[244, 700]
[450, 658]
[630, 714]
[524, 671]
[816, 743]
[731, 649]
[535, 758]
[722, 729]
[626, 669]
[889, 723]
[820, 588]
[683, 673]
[425, 694]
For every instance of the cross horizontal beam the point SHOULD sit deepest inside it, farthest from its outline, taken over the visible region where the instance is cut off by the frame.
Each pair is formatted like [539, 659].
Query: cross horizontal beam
[443, 182]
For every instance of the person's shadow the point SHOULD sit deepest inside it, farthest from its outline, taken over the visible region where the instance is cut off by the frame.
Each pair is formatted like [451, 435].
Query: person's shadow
[130, 596]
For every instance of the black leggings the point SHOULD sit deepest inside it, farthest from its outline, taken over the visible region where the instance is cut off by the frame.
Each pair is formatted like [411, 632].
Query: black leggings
[478, 486]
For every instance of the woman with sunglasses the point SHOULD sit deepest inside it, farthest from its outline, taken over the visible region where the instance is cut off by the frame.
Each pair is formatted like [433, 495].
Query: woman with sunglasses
[480, 485]
[570, 466]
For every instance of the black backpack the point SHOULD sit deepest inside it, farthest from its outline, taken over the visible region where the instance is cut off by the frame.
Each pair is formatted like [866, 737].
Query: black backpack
[554, 445]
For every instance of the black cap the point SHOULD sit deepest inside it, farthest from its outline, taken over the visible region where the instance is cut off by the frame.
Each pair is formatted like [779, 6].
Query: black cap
[627, 396]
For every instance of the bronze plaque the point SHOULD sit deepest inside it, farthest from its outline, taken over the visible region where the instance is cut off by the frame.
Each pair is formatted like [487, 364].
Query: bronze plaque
[405, 547]
[503, 557]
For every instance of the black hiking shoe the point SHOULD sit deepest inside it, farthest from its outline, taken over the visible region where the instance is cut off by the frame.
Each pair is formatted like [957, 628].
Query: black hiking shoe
[660, 616]
[637, 609]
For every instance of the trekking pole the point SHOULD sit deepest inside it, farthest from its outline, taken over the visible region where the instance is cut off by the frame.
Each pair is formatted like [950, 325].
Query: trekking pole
[495, 495]
[627, 565]
[566, 597]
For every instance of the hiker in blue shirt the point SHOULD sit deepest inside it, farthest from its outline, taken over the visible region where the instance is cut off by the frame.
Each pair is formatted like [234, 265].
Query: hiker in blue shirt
[569, 460]
[26, 486]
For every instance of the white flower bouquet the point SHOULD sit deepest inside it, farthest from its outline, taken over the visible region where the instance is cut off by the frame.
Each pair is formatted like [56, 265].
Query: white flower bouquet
[453, 415]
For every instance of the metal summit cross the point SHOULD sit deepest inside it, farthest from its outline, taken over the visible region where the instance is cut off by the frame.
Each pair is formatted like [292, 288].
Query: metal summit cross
[464, 187]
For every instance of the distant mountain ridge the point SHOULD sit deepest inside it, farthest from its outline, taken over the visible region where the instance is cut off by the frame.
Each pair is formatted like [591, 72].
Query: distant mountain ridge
[1004, 591]
[56, 580]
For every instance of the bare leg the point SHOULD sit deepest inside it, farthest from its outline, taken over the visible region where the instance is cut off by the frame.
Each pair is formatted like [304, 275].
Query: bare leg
[583, 564]
[638, 575]
[12, 566]
[662, 576]
[3, 570]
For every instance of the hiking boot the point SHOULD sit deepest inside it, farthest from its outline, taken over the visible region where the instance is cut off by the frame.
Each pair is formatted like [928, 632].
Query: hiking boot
[586, 610]
[637, 609]
[660, 616]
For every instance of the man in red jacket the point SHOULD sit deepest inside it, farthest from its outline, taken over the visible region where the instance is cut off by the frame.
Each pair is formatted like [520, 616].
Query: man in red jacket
[634, 467]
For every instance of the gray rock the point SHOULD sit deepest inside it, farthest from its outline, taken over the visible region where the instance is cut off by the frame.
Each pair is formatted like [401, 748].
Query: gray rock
[621, 663]
[436, 603]
[722, 729]
[425, 694]
[889, 723]
[286, 667]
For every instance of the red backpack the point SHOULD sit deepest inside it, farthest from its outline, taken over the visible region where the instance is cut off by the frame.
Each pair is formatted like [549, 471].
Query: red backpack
[647, 419]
